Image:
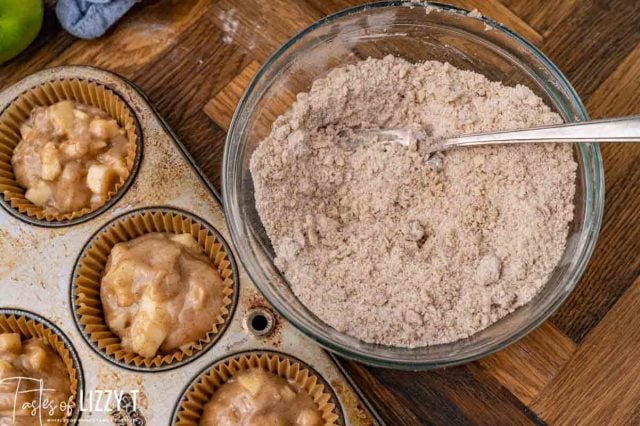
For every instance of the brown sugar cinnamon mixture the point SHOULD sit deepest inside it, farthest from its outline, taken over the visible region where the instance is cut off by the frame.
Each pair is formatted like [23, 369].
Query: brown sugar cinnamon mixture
[394, 246]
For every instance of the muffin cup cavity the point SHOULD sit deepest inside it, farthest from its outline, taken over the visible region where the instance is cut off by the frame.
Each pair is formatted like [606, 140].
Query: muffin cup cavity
[89, 270]
[29, 325]
[49, 93]
[191, 405]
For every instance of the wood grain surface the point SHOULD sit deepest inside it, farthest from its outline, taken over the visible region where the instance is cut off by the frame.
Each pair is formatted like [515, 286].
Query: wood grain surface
[194, 58]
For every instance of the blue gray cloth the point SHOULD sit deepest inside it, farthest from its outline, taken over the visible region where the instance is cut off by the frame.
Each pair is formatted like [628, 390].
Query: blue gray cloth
[90, 18]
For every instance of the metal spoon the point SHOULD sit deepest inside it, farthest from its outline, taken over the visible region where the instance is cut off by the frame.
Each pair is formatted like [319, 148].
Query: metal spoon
[623, 129]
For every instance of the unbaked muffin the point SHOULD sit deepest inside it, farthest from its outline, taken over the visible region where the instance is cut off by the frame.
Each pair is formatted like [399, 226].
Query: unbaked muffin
[70, 157]
[160, 292]
[256, 397]
[22, 365]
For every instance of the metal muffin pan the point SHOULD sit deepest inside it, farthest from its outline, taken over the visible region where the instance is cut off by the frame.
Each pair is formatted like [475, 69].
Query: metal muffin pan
[37, 264]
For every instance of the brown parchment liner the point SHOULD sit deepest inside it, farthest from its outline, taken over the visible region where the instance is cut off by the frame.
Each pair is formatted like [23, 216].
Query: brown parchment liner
[45, 94]
[90, 269]
[191, 406]
[28, 328]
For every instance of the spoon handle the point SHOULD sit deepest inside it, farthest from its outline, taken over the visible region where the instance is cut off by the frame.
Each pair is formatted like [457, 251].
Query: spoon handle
[624, 129]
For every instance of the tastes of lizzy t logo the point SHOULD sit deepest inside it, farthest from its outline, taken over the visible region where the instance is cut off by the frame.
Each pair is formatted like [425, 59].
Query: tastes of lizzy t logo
[30, 400]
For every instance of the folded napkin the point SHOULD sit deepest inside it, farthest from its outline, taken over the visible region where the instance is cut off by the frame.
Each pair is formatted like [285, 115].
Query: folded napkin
[90, 18]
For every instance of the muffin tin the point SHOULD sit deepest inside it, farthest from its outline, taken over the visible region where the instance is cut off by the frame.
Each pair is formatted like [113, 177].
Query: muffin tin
[39, 268]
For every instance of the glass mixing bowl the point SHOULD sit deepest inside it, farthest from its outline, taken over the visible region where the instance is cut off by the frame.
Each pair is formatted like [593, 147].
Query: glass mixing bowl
[416, 32]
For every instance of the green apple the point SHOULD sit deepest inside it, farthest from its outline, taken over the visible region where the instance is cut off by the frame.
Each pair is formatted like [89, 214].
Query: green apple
[20, 22]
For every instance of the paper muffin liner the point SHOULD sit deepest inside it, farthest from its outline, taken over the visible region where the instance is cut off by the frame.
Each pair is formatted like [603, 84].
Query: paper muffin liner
[89, 270]
[28, 326]
[191, 406]
[45, 94]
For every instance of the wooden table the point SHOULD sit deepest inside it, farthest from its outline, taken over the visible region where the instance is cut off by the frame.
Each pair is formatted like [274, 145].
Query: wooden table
[581, 366]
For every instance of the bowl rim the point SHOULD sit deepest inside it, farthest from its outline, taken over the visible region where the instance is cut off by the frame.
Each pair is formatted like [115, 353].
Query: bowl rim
[593, 214]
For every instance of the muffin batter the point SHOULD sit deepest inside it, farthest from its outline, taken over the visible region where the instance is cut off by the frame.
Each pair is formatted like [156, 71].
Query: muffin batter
[70, 157]
[160, 292]
[256, 398]
[32, 360]
[392, 245]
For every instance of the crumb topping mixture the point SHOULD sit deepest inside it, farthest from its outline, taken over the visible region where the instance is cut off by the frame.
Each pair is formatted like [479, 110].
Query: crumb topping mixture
[392, 245]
